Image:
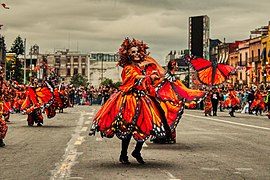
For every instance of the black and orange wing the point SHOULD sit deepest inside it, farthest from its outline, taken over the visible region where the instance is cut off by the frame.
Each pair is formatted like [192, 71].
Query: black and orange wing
[44, 94]
[26, 103]
[209, 73]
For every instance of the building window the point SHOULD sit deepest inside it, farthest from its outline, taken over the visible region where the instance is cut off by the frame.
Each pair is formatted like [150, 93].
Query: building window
[83, 59]
[241, 59]
[57, 60]
[83, 72]
[68, 72]
[75, 71]
[252, 55]
[246, 57]
[76, 60]
[68, 59]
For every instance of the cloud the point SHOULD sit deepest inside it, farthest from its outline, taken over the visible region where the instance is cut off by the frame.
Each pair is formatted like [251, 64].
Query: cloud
[101, 25]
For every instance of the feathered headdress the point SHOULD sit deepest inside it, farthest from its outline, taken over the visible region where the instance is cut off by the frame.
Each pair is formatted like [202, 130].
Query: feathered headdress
[124, 55]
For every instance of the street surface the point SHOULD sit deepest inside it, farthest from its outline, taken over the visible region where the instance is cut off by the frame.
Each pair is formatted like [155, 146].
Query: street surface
[218, 147]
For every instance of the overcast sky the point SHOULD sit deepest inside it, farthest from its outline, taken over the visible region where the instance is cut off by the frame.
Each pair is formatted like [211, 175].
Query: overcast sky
[101, 25]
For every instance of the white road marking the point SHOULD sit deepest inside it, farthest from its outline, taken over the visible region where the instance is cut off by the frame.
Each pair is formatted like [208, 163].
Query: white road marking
[210, 169]
[229, 122]
[79, 140]
[171, 177]
[63, 168]
[84, 129]
[90, 113]
[244, 169]
[87, 122]
[90, 117]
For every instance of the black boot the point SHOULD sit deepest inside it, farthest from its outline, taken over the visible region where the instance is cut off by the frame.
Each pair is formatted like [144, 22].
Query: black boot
[124, 160]
[2, 144]
[138, 157]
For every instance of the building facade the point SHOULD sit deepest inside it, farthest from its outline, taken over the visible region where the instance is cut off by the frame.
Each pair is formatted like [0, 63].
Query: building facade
[103, 65]
[65, 63]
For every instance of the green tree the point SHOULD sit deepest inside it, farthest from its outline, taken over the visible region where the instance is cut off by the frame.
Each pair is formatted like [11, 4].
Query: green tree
[109, 82]
[78, 80]
[16, 68]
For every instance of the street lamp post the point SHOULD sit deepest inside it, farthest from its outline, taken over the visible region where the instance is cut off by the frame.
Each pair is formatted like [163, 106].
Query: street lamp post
[24, 65]
[30, 74]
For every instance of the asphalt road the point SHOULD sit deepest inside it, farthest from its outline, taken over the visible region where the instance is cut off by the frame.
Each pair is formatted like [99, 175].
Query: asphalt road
[218, 147]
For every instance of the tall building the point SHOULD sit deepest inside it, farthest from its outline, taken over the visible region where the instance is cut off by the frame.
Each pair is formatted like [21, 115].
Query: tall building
[2, 51]
[199, 36]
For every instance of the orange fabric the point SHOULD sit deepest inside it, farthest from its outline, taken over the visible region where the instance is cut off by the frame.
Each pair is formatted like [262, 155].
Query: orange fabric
[127, 112]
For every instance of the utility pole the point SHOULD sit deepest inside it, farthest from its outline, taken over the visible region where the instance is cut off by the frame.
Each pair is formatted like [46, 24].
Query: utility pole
[24, 65]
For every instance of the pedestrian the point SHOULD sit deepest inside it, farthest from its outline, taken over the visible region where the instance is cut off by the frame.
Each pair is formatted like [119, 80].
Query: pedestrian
[131, 112]
[215, 100]
[250, 99]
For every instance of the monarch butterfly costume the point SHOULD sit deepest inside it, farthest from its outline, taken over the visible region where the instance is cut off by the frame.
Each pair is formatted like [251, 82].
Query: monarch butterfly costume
[172, 95]
[258, 104]
[3, 125]
[36, 98]
[232, 102]
[60, 98]
[207, 105]
[131, 110]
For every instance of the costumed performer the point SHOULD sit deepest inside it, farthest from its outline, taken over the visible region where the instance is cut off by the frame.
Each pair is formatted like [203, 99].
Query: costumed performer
[131, 112]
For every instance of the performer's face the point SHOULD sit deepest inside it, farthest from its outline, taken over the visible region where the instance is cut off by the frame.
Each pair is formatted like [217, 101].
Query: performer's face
[134, 54]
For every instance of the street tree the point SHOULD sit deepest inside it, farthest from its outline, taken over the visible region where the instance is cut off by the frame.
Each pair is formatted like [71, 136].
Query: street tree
[16, 67]
[78, 80]
[109, 82]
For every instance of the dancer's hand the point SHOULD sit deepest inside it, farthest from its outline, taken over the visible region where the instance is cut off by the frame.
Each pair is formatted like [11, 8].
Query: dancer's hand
[154, 76]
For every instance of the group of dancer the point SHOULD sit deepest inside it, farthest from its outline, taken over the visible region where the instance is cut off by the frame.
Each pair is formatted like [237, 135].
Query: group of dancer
[149, 103]
[33, 100]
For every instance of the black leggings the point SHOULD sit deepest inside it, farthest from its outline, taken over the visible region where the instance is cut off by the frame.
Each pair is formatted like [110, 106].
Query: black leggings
[125, 143]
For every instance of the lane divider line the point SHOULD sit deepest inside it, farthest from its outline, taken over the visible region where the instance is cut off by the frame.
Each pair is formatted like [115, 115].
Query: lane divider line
[228, 122]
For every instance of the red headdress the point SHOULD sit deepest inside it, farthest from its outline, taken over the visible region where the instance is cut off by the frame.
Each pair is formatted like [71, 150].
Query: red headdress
[124, 56]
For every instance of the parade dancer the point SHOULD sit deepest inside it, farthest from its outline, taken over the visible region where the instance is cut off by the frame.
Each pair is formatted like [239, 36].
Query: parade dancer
[36, 98]
[131, 112]
[172, 95]
[208, 105]
[3, 125]
[232, 102]
[258, 104]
